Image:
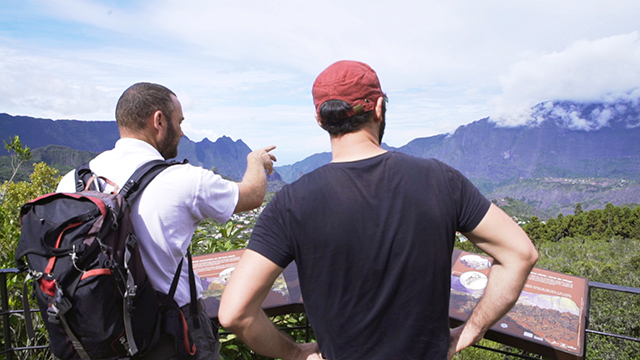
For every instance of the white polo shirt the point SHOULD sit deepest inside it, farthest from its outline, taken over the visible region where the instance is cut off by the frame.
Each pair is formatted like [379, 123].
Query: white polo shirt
[167, 213]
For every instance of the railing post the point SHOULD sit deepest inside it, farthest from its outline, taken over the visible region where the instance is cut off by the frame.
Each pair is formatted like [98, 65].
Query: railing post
[6, 320]
[586, 325]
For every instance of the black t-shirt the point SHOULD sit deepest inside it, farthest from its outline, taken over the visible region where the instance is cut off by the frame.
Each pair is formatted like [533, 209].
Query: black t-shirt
[372, 240]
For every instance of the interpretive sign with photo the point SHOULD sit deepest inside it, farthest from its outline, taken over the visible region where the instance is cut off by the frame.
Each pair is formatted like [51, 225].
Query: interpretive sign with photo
[215, 270]
[548, 318]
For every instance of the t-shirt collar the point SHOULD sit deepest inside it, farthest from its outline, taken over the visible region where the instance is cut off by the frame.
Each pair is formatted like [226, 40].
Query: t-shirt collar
[138, 146]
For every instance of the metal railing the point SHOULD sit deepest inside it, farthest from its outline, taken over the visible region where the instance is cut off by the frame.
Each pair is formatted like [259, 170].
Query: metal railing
[5, 314]
[9, 351]
[610, 287]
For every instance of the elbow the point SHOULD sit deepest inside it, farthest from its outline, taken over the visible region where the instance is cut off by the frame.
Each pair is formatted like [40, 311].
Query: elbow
[531, 256]
[534, 257]
[233, 316]
[229, 319]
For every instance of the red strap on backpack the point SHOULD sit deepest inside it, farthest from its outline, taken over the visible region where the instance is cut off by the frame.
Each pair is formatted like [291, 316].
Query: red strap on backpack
[185, 328]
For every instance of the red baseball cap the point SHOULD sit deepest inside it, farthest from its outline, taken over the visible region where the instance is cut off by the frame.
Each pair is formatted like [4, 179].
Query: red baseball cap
[351, 81]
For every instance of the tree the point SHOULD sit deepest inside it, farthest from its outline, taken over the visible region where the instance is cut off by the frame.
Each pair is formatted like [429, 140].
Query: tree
[19, 154]
[43, 180]
[578, 209]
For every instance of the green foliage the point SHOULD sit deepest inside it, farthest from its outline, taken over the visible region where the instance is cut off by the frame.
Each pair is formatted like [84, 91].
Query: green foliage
[43, 180]
[18, 155]
[56, 156]
[212, 237]
[603, 246]
[613, 261]
[600, 224]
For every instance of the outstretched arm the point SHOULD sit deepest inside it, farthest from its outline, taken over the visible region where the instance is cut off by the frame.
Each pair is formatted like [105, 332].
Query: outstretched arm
[514, 256]
[241, 312]
[253, 186]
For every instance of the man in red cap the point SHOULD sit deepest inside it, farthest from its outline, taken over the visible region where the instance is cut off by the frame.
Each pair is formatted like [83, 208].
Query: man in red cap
[372, 234]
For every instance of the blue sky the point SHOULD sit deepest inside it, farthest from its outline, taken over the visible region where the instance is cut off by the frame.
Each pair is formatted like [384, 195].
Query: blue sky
[245, 68]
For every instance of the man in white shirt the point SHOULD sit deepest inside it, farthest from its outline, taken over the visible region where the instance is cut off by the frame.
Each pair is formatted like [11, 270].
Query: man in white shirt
[167, 213]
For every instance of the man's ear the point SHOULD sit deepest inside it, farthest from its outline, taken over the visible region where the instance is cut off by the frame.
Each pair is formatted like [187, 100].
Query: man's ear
[378, 109]
[158, 121]
[318, 120]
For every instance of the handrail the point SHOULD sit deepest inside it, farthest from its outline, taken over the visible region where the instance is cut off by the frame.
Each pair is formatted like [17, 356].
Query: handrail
[9, 350]
[627, 289]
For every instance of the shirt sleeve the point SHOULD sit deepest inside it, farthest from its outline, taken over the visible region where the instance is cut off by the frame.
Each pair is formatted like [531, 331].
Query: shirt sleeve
[68, 183]
[270, 237]
[215, 197]
[472, 206]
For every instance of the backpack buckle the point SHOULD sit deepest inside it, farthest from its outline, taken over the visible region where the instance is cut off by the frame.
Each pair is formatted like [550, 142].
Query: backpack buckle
[58, 305]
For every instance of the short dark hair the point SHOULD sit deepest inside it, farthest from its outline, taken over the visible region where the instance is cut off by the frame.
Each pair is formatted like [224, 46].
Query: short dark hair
[140, 101]
[332, 118]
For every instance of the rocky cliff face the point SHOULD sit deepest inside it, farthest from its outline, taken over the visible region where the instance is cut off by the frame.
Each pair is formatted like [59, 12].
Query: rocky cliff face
[550, 148]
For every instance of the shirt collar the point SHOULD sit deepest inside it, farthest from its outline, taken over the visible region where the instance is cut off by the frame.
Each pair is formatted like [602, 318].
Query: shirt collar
[138, 146]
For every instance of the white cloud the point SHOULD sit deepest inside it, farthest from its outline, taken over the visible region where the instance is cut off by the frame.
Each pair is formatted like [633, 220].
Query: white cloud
[244, 68]
[584, 71]
[43, 84]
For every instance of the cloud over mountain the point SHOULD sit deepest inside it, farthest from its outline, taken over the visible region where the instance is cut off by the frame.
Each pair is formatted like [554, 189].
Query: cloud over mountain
[606, 69]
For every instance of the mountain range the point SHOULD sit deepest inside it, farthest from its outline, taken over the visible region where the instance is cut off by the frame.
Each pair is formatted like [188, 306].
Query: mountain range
[567, 152]
[54, 142]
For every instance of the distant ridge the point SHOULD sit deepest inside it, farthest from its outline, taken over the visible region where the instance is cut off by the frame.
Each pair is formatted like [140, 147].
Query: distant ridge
[95, 136]
[226, 156]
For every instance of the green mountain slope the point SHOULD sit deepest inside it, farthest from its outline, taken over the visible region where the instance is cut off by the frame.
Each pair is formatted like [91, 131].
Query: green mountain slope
[59, 157]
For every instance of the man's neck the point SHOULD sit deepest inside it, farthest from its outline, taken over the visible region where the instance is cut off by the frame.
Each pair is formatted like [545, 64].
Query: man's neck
[355, 146]
[139, 135]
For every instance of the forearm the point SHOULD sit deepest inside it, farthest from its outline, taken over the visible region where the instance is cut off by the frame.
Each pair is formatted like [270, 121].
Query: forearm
[514, 256]
[259, 333]
[253, 187]
[502, 291]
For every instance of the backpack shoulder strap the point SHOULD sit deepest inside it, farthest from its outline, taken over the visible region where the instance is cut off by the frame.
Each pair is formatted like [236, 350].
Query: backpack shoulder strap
[83, 174]
[143, 176]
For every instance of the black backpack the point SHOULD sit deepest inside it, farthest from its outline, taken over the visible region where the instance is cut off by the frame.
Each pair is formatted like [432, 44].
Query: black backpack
[90, 283]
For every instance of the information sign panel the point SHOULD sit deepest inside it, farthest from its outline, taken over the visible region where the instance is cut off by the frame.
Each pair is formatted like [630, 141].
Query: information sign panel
[549, 317]
[215, 269]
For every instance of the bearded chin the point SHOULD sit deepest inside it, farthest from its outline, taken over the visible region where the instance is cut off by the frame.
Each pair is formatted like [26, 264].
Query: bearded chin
[167, 147]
